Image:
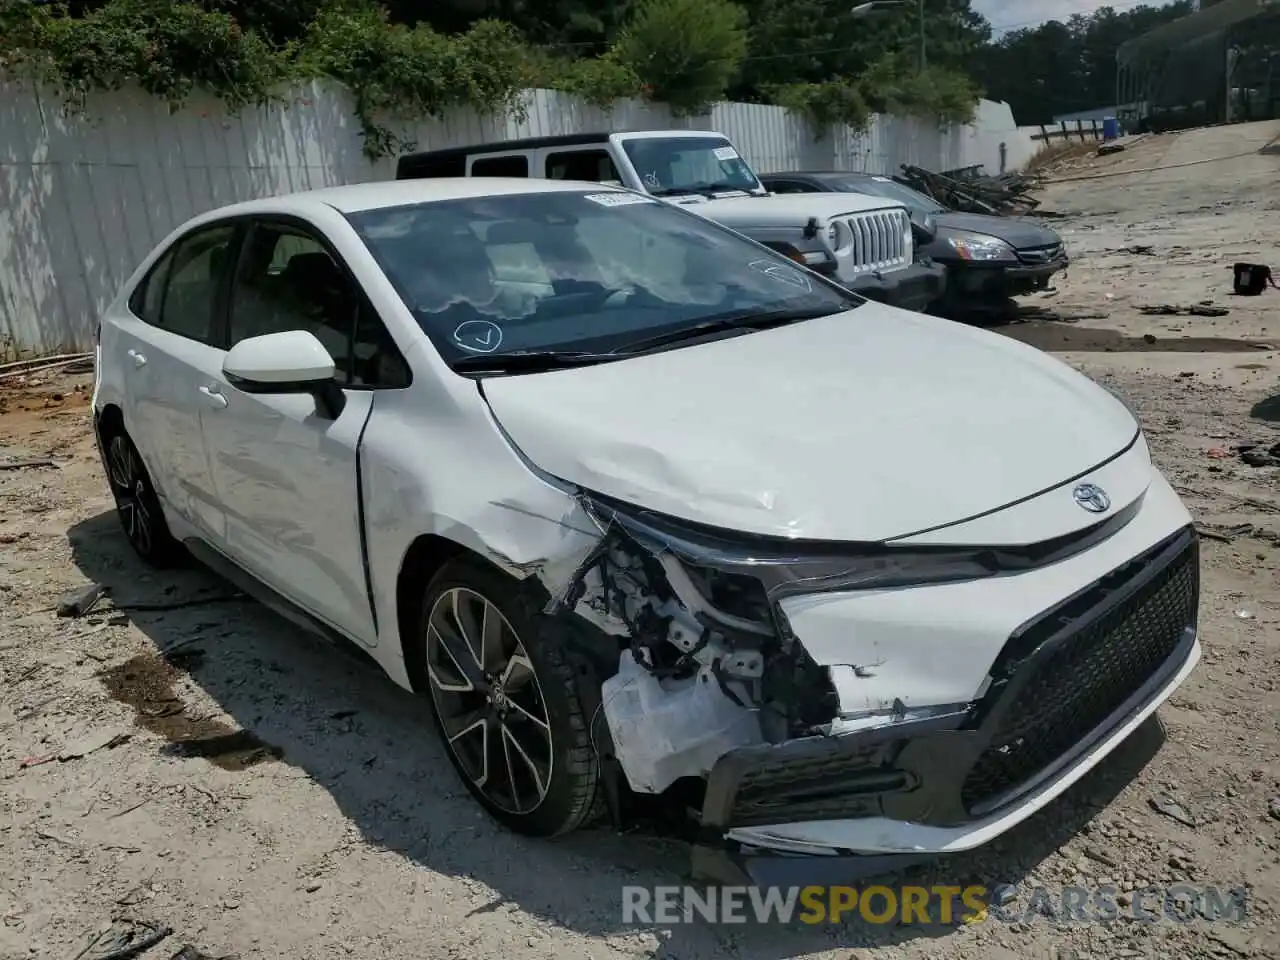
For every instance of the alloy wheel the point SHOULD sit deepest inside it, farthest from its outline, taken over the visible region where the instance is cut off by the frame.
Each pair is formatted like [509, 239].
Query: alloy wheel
[489, 702]
[130, 483]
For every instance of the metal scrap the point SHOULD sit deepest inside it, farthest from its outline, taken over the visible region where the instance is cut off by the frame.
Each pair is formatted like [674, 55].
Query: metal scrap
[969, 190]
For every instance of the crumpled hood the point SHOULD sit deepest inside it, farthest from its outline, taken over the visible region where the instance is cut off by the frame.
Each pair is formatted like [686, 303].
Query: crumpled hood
[863, 426]
[1019, 233]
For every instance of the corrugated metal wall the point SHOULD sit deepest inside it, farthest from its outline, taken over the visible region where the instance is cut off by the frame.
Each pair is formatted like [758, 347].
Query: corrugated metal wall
[85, 196]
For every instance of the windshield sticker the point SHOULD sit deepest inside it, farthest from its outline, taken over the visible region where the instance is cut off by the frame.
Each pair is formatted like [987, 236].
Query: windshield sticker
[780, 271]
[618, 199]
[725, 153]
[478, 336]
[651, 180]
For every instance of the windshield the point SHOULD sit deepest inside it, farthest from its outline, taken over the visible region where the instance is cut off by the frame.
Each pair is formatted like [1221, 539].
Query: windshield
[675, 165]
[913, 200]
[569, 271]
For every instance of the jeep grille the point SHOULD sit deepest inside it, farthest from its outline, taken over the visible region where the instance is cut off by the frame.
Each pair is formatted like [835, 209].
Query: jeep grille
[879, 241]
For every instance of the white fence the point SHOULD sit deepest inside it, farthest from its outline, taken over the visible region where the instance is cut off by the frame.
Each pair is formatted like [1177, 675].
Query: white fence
[84, 196]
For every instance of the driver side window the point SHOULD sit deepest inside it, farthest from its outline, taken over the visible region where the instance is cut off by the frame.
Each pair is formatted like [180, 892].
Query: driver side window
[286, 279]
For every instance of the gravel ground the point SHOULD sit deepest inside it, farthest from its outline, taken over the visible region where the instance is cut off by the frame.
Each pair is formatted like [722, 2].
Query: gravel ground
[330, 825]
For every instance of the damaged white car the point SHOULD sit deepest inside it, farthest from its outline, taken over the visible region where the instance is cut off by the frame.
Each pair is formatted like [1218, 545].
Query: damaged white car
[643, 507]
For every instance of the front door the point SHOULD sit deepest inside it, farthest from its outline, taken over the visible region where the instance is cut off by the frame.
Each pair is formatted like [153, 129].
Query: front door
[285, 474]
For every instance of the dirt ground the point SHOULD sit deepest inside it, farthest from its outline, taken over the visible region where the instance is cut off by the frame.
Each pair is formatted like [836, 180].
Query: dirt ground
[320, 819]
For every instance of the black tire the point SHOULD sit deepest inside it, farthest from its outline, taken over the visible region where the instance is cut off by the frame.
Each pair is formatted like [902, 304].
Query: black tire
[137, 504]
[570, 796]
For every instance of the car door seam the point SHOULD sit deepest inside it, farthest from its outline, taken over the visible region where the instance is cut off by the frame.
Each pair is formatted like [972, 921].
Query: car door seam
[361, 519]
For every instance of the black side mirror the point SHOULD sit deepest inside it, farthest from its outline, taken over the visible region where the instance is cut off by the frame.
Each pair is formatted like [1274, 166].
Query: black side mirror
[924, 229]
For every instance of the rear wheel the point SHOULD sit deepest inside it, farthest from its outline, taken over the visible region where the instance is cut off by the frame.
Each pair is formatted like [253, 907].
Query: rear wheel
[505, 700]
[137, 504]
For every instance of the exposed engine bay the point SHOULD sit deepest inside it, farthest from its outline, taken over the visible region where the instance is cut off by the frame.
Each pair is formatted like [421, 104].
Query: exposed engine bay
[704, 665]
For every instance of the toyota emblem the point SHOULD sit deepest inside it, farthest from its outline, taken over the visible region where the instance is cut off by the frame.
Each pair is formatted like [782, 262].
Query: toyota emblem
[1093, 498]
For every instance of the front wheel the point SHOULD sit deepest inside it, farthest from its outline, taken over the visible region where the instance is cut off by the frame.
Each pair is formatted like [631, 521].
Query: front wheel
[505, 700]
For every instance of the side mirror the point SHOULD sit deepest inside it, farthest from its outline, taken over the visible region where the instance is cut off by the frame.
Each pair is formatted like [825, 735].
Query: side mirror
[292, 361]
[924, 229]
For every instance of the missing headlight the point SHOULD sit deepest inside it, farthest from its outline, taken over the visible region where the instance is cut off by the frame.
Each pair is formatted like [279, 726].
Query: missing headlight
[739, 595]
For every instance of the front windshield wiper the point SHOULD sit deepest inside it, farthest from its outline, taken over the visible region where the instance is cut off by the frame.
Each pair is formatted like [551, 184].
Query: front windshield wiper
[700, 189]
[528, 361]
[744, 320]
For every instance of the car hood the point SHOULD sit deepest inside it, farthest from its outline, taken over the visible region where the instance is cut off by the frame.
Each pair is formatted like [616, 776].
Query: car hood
[863, 426]
[1018, 233]
[790, 210]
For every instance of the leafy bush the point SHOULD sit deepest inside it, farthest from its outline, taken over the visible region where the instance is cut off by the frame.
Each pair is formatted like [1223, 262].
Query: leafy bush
[600, 81]
[686, 51]
[168, 49]
[824, 104]
[396, 71]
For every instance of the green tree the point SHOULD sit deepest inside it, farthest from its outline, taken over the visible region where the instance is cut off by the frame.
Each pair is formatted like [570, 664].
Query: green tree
[687, 52]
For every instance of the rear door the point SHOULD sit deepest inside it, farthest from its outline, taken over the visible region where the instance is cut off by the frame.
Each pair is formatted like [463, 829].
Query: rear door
[169, 350]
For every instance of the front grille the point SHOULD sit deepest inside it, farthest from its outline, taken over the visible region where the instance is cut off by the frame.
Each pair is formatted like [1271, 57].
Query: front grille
[1086, 678]
[829, 787]
[880, 240]
[1040, 254]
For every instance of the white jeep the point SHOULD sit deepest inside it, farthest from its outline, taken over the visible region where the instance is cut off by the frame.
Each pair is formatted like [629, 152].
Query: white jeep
[867, 244]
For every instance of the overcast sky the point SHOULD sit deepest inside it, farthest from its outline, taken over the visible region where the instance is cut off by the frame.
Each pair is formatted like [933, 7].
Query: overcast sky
[1005, 14]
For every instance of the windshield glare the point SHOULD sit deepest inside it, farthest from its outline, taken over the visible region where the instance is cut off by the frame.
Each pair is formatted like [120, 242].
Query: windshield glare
[570, 271]
[693, 164]
[913, 200]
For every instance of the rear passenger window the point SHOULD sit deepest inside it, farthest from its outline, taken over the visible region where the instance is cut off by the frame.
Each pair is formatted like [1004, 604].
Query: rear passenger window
[593, 165]
[192, 283]
[509, 166]
[149, 295]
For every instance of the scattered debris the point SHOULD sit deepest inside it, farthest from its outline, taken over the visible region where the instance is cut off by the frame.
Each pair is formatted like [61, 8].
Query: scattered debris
[26, 464]
[79, 602]
[104, 740]
[1260, 455]
[1109, 148]
[1217, 453]
[1251, 279]
[1100, 856]
[189, 952]
[1137, 249]
[1227, 534]
[1170, 807]
[28, 762]
[970, 191]
[125, 938]
[1202, 309]
[1245, 615]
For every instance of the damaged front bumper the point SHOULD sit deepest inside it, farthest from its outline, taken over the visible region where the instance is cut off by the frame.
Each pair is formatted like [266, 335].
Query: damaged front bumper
[1067, 688]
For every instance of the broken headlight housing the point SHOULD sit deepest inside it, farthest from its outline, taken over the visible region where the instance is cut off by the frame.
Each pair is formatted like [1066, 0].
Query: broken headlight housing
[744, 575]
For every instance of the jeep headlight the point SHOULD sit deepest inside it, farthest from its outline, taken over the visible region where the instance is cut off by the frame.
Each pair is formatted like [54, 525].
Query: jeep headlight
[982, 249]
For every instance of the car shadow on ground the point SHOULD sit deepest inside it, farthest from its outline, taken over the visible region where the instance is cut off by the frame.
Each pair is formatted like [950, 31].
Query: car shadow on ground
[373, 748]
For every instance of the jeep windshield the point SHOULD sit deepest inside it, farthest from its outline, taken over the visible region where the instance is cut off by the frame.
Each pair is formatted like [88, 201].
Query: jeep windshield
[547, 279]
[681, 166]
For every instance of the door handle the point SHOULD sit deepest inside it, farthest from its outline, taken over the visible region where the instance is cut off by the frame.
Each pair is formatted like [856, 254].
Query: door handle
[138, 359]
[214, 397]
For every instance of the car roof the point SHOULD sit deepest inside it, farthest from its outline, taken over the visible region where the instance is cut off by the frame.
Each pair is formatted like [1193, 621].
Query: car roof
[396, 193]
[561, 140]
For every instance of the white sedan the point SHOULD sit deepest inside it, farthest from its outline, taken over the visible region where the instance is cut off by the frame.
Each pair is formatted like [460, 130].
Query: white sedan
[645, 508]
